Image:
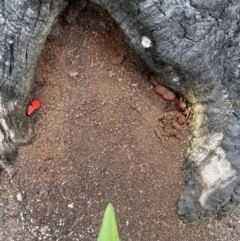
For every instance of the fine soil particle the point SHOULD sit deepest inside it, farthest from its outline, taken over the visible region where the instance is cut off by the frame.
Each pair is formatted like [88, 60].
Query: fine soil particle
[102, 136]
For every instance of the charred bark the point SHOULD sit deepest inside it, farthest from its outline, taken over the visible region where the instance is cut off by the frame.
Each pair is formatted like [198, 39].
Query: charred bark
[193, 44]
[23, 26]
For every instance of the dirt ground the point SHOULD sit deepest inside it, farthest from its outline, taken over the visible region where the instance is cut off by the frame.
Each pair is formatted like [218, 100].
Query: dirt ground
[102, 135]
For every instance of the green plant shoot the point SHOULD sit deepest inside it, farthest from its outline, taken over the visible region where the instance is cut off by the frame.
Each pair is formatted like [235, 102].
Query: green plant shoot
[109, 231]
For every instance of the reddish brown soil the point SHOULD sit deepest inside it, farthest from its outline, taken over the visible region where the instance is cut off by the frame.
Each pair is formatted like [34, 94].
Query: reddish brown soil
[102, 135]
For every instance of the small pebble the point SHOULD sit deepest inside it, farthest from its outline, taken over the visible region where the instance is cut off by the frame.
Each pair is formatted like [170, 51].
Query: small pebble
[19, 197]
[42, 192]
[44, 229]
[117, 60]
[25, 176]
[2, 213]
[64, 231]
[169, 95]
[181, 104]
[188, 121]
[209, 225]
[28, 217]
[186, 112]
[70, 205]
[160, 89]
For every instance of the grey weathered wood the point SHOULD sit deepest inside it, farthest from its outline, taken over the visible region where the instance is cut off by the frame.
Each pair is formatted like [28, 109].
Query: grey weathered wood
[23, 27]
[194, 44]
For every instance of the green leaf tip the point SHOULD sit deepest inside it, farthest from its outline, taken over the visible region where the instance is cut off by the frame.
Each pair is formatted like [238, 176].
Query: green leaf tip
[109, 231]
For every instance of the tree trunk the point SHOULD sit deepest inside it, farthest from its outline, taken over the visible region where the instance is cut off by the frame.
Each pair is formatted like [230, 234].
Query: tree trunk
[193, 44]
[23, 26]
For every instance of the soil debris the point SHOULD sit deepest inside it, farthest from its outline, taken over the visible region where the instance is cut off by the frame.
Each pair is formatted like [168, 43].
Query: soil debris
[102, 136]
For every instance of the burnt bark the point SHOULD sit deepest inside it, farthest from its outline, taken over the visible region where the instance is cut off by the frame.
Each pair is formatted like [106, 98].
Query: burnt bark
[193, 44]
[24, 26]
